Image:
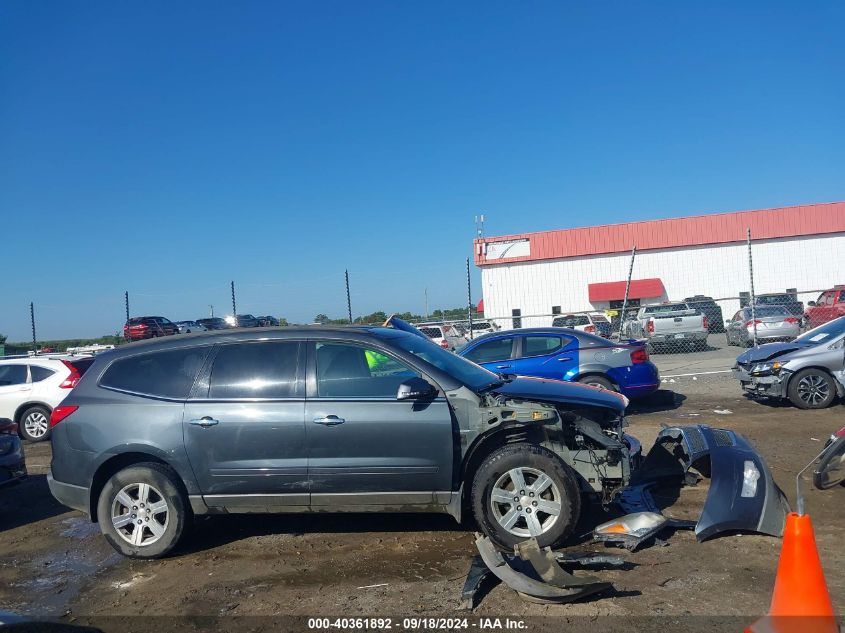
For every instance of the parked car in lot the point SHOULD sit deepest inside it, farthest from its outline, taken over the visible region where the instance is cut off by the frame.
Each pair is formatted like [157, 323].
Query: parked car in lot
[592, 323]
[12, 462]
[668, 323]
[786, 300]
[242, 320]
[483, 327]
[214, 323]
[186, 327]
[443, 334]
[773, 323]
[139, 328]
[809, 371]
[328, 419]
[830, 305]
[31, 387]
[566, 354]
[709, 308]
[268, 321]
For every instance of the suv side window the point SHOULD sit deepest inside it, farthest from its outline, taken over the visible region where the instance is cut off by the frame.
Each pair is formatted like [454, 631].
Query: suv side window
[165, 374]
[12, 375]
[352, 371]
[491, 351]
[841, 295]
[39, 373]
[541, 345]
[255, 370]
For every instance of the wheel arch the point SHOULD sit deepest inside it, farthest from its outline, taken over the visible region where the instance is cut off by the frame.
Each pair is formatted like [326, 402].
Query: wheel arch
[117, 463]
[840, 388]
[595, 372]
[25, 407]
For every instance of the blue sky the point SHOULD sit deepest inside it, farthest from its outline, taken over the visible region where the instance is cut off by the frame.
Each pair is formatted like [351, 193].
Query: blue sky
[168, 148]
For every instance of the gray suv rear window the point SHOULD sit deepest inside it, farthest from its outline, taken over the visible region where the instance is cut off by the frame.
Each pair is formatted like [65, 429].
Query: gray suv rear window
[167, 374]
[255, 370]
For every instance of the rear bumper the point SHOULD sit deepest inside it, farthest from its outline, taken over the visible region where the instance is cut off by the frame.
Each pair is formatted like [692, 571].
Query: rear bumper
[636, 381]
[681, 337]
[75, 497]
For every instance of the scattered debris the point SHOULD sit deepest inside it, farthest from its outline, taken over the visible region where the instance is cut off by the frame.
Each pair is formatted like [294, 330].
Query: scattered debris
[381, 584]
[722, 411]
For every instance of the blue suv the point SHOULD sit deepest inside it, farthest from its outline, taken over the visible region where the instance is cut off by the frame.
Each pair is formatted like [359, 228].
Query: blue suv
[566, 354]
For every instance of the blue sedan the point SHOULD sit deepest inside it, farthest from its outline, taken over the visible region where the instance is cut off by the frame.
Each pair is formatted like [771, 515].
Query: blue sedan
[565, 354]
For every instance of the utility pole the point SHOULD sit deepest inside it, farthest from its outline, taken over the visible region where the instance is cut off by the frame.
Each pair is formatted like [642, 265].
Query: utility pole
[126, 302]
[211, 310]
[348, 298]
[234, 309]
[426, 304]
[753, 299]
[32, 321]
[627, 288]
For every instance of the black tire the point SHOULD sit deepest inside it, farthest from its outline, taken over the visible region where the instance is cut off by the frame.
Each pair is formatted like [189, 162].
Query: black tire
[532, 458]
[37, 418]
[163, 483]
[811, 389]
[597, 381]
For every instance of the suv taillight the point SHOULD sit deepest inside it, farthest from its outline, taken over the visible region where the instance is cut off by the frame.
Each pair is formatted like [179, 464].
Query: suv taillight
[444, 344]
[72, 379]
[61, 412]
[590, 329]
[753, 323]
[639, 355]
[705, 322]
[650, 326]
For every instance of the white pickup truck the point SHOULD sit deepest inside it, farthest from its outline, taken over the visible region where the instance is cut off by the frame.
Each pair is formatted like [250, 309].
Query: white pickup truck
[668, 324]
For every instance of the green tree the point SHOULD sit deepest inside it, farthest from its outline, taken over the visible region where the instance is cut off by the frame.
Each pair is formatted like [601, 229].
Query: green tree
[2, 338]
[322, 319]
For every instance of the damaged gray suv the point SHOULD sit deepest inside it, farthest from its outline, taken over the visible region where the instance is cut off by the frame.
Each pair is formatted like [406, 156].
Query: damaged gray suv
[352, 419]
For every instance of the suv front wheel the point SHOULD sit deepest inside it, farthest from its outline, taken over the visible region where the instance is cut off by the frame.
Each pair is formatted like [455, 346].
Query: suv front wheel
[141, 511]
[522, 491]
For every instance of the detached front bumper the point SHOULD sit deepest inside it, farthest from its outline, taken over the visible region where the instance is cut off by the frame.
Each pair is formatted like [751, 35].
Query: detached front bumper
[773, 386]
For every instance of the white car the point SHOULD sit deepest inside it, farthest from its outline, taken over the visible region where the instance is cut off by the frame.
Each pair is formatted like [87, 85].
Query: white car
[30, 388]
[444, 334]
[591, 323]
[186, 327]
[483, 327]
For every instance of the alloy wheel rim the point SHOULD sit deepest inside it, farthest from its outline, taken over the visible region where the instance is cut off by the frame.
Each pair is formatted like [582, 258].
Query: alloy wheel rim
[36, 424]
[813, 389]
[525, 502]
[140, 514]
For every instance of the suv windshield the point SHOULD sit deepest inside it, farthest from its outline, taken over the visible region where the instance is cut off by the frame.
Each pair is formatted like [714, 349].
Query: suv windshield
[767, 311]
[663, 309]
[825, 332]
[773, 300]
[467, 372]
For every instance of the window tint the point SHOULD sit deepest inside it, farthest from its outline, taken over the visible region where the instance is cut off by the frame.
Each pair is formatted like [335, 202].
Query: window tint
[571, 320]
[168, 374]
[350, 371]
[255, 370]
[540, 345]
[40, 373]
[431, 332]
[12, 375]
[842, 295]
[490, 351]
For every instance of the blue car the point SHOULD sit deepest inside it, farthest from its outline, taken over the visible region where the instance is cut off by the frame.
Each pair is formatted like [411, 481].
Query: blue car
[566, 354]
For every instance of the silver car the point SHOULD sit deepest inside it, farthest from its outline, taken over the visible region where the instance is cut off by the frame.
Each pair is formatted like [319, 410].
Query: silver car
[809, 371]
[773, 323]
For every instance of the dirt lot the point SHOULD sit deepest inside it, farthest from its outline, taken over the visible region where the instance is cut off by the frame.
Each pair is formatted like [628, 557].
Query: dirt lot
[52, 561]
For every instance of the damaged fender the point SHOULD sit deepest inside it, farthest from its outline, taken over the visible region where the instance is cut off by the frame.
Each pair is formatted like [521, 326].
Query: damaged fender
[743, 495]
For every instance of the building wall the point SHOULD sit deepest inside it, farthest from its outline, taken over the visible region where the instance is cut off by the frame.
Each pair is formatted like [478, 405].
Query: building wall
[721, 271]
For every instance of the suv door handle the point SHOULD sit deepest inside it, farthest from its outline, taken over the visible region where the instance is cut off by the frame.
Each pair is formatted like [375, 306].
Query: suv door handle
[205, 422]
[563, 359]
[329, 420]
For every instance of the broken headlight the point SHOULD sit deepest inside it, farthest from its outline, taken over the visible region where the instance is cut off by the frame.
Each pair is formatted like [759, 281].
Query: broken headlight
[766, 369]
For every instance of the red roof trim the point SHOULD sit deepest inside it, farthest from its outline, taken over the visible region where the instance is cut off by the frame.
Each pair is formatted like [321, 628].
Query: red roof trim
[701, 230]
[615, 290]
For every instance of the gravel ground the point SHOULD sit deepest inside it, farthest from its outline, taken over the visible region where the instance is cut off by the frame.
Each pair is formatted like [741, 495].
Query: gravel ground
[54, 562]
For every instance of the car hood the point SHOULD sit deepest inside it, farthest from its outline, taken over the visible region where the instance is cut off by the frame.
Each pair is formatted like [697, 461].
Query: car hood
[560, 392]
[771, 350]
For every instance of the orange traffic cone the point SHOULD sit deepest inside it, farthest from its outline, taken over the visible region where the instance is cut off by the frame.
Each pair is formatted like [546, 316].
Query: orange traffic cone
[800, 601]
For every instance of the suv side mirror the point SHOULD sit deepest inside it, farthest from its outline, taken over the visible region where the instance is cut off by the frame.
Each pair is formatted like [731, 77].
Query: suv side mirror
[415, 389]
[811, 303]
[831, 469]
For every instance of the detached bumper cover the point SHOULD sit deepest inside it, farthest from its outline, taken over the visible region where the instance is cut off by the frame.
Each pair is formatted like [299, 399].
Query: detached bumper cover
[743, 495]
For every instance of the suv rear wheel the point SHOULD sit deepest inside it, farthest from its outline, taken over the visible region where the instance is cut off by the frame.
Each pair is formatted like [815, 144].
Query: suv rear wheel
[35, 424]
[141, 511]
[522, 491]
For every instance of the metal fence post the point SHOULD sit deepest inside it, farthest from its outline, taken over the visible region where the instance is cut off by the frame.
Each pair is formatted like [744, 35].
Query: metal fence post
[627, 289]
[234, 310]
[348, 297]
[32, 321]
[469, 301]
[751, 275]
